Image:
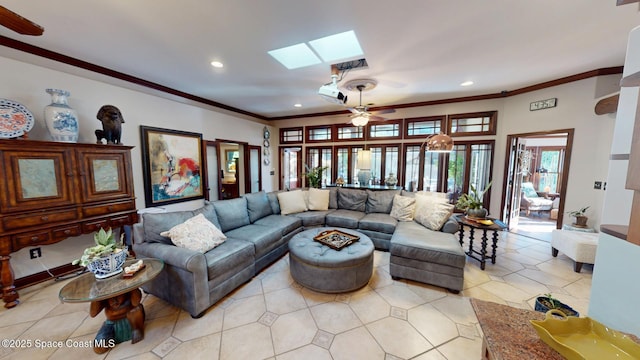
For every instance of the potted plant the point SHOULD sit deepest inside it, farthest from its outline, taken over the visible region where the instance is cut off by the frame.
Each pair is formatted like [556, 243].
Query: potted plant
[314, 175]
[106, 258]
[581, 219]
[472, 203]
[548, 302]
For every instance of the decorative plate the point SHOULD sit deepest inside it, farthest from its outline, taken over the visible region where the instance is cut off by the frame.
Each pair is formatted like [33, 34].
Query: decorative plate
[15, 119]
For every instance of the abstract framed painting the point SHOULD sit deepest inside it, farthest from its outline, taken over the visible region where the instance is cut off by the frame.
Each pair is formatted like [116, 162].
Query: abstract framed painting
[172, 163]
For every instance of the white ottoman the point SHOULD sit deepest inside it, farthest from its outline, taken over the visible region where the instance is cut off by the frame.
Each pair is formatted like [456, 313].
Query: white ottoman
[579, 246]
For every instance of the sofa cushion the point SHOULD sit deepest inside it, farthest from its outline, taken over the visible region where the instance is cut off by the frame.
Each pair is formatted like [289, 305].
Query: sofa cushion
[156, 223]
[333, 198]
[312, 218]
[292, 202]
[344, 218]
[318, 199]
[264, 238]
[380, 201]
[232, 213]
[273, 202]
[286, 223]
[209, 212]
[197, 234]
[403, 208]
[352, 199]
[228, 259]
[431, 211]
[413, 241]
[258, 205]
[383, 223]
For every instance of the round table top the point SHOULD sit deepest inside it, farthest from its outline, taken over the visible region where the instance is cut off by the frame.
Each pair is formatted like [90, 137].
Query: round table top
[86, 287]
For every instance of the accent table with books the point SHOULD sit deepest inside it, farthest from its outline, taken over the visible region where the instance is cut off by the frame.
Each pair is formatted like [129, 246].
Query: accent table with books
[120, 297]
[484, 225]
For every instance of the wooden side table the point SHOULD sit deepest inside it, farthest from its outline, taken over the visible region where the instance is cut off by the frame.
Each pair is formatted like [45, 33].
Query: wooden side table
[473, 226]
[121, 299]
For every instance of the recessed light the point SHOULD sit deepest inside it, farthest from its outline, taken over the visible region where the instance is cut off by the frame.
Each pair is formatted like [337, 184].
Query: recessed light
[217, 64]
[467, 83]
[297, 105]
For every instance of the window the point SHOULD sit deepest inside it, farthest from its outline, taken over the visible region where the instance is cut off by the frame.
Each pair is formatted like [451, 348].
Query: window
[320, 156]
[388, 129]
[473, 124]
[349, 132]
[423, 127]
[318, 133]
[470, 164]
[546, 167]
[422, 173]
[291, 135]
[384, 160]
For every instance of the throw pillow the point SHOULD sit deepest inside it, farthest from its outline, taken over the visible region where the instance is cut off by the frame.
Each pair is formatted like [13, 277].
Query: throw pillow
[292, 202]
[432, 212]
[318, 199]
[258, 205]
[403, 208]
[196, 234]
[380, 201]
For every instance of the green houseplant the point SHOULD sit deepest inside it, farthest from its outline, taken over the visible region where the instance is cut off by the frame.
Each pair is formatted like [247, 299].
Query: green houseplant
[579, 215]
[472, 203]
[314, 175]
[106, 257]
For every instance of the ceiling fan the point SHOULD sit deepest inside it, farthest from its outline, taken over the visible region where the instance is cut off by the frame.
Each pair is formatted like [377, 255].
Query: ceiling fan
[360, 114]
[17, 23]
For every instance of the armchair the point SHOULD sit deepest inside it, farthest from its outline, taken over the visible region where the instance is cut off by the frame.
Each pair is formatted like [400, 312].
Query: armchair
[531, 201]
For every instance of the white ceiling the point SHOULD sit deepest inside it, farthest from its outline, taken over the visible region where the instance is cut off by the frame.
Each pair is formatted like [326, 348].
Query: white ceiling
[417, 50]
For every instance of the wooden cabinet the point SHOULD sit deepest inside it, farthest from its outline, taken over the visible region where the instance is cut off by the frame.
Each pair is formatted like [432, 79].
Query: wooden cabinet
[50, 191]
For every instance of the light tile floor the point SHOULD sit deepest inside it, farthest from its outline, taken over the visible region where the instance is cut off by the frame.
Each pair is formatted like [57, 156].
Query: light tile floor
[272, 317]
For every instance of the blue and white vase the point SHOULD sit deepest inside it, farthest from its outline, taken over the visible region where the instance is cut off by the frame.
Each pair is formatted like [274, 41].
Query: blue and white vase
[61, 120]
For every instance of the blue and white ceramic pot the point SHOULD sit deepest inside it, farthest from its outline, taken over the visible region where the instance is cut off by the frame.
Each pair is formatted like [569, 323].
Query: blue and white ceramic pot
[61, 120]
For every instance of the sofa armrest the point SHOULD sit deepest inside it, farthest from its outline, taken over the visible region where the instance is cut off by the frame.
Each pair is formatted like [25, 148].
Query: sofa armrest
[451, 226]
[189, 260]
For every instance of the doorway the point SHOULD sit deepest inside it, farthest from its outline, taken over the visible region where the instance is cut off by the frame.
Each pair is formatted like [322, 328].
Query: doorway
[537, 171]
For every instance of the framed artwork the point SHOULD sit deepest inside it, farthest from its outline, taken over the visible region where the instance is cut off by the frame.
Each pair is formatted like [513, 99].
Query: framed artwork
[172, 163]
[231, 156]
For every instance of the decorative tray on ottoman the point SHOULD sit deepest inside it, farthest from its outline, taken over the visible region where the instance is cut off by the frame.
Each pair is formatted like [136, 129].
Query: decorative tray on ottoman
[336, 239]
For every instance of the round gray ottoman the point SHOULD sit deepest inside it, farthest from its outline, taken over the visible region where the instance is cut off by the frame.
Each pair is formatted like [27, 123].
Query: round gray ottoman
[323, 269]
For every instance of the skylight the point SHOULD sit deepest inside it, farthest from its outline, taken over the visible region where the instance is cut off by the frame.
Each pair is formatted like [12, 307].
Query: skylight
[338, 46]
[329, 48]
[295, 56]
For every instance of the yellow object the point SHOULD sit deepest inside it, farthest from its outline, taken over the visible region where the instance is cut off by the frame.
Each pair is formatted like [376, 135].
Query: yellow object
[583, 338]
[485, 222]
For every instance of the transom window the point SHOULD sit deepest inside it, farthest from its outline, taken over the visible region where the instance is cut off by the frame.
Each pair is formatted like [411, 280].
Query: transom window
[388, 129]
[473, 124]
[319, 133]
[349, 132]
[422, 127]
[291, 135]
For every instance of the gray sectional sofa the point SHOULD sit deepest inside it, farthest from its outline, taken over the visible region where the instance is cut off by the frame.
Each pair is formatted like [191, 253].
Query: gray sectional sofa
[258, 234]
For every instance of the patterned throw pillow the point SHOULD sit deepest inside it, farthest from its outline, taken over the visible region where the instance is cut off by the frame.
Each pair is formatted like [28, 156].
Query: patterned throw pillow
[432, 211]
[403, 208]
[197, 234]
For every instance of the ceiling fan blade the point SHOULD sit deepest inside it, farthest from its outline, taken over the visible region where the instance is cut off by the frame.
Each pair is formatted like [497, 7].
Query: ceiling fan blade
[19, 24]
[385, 111]
[355, 111]
[376, 118]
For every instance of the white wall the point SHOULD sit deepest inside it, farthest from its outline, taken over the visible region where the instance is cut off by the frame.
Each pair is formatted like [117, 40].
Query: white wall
[26, 84]
[614, 290]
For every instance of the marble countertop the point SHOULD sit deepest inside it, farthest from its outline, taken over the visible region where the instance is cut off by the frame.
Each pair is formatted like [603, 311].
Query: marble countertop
[509, 334]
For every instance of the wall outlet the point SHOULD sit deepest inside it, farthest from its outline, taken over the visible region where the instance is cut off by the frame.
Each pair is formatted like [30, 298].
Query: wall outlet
[597, 185]
[35, 253]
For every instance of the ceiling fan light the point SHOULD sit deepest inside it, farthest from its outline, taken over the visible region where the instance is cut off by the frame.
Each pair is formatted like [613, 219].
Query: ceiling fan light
[440, 143]
[360, 120]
